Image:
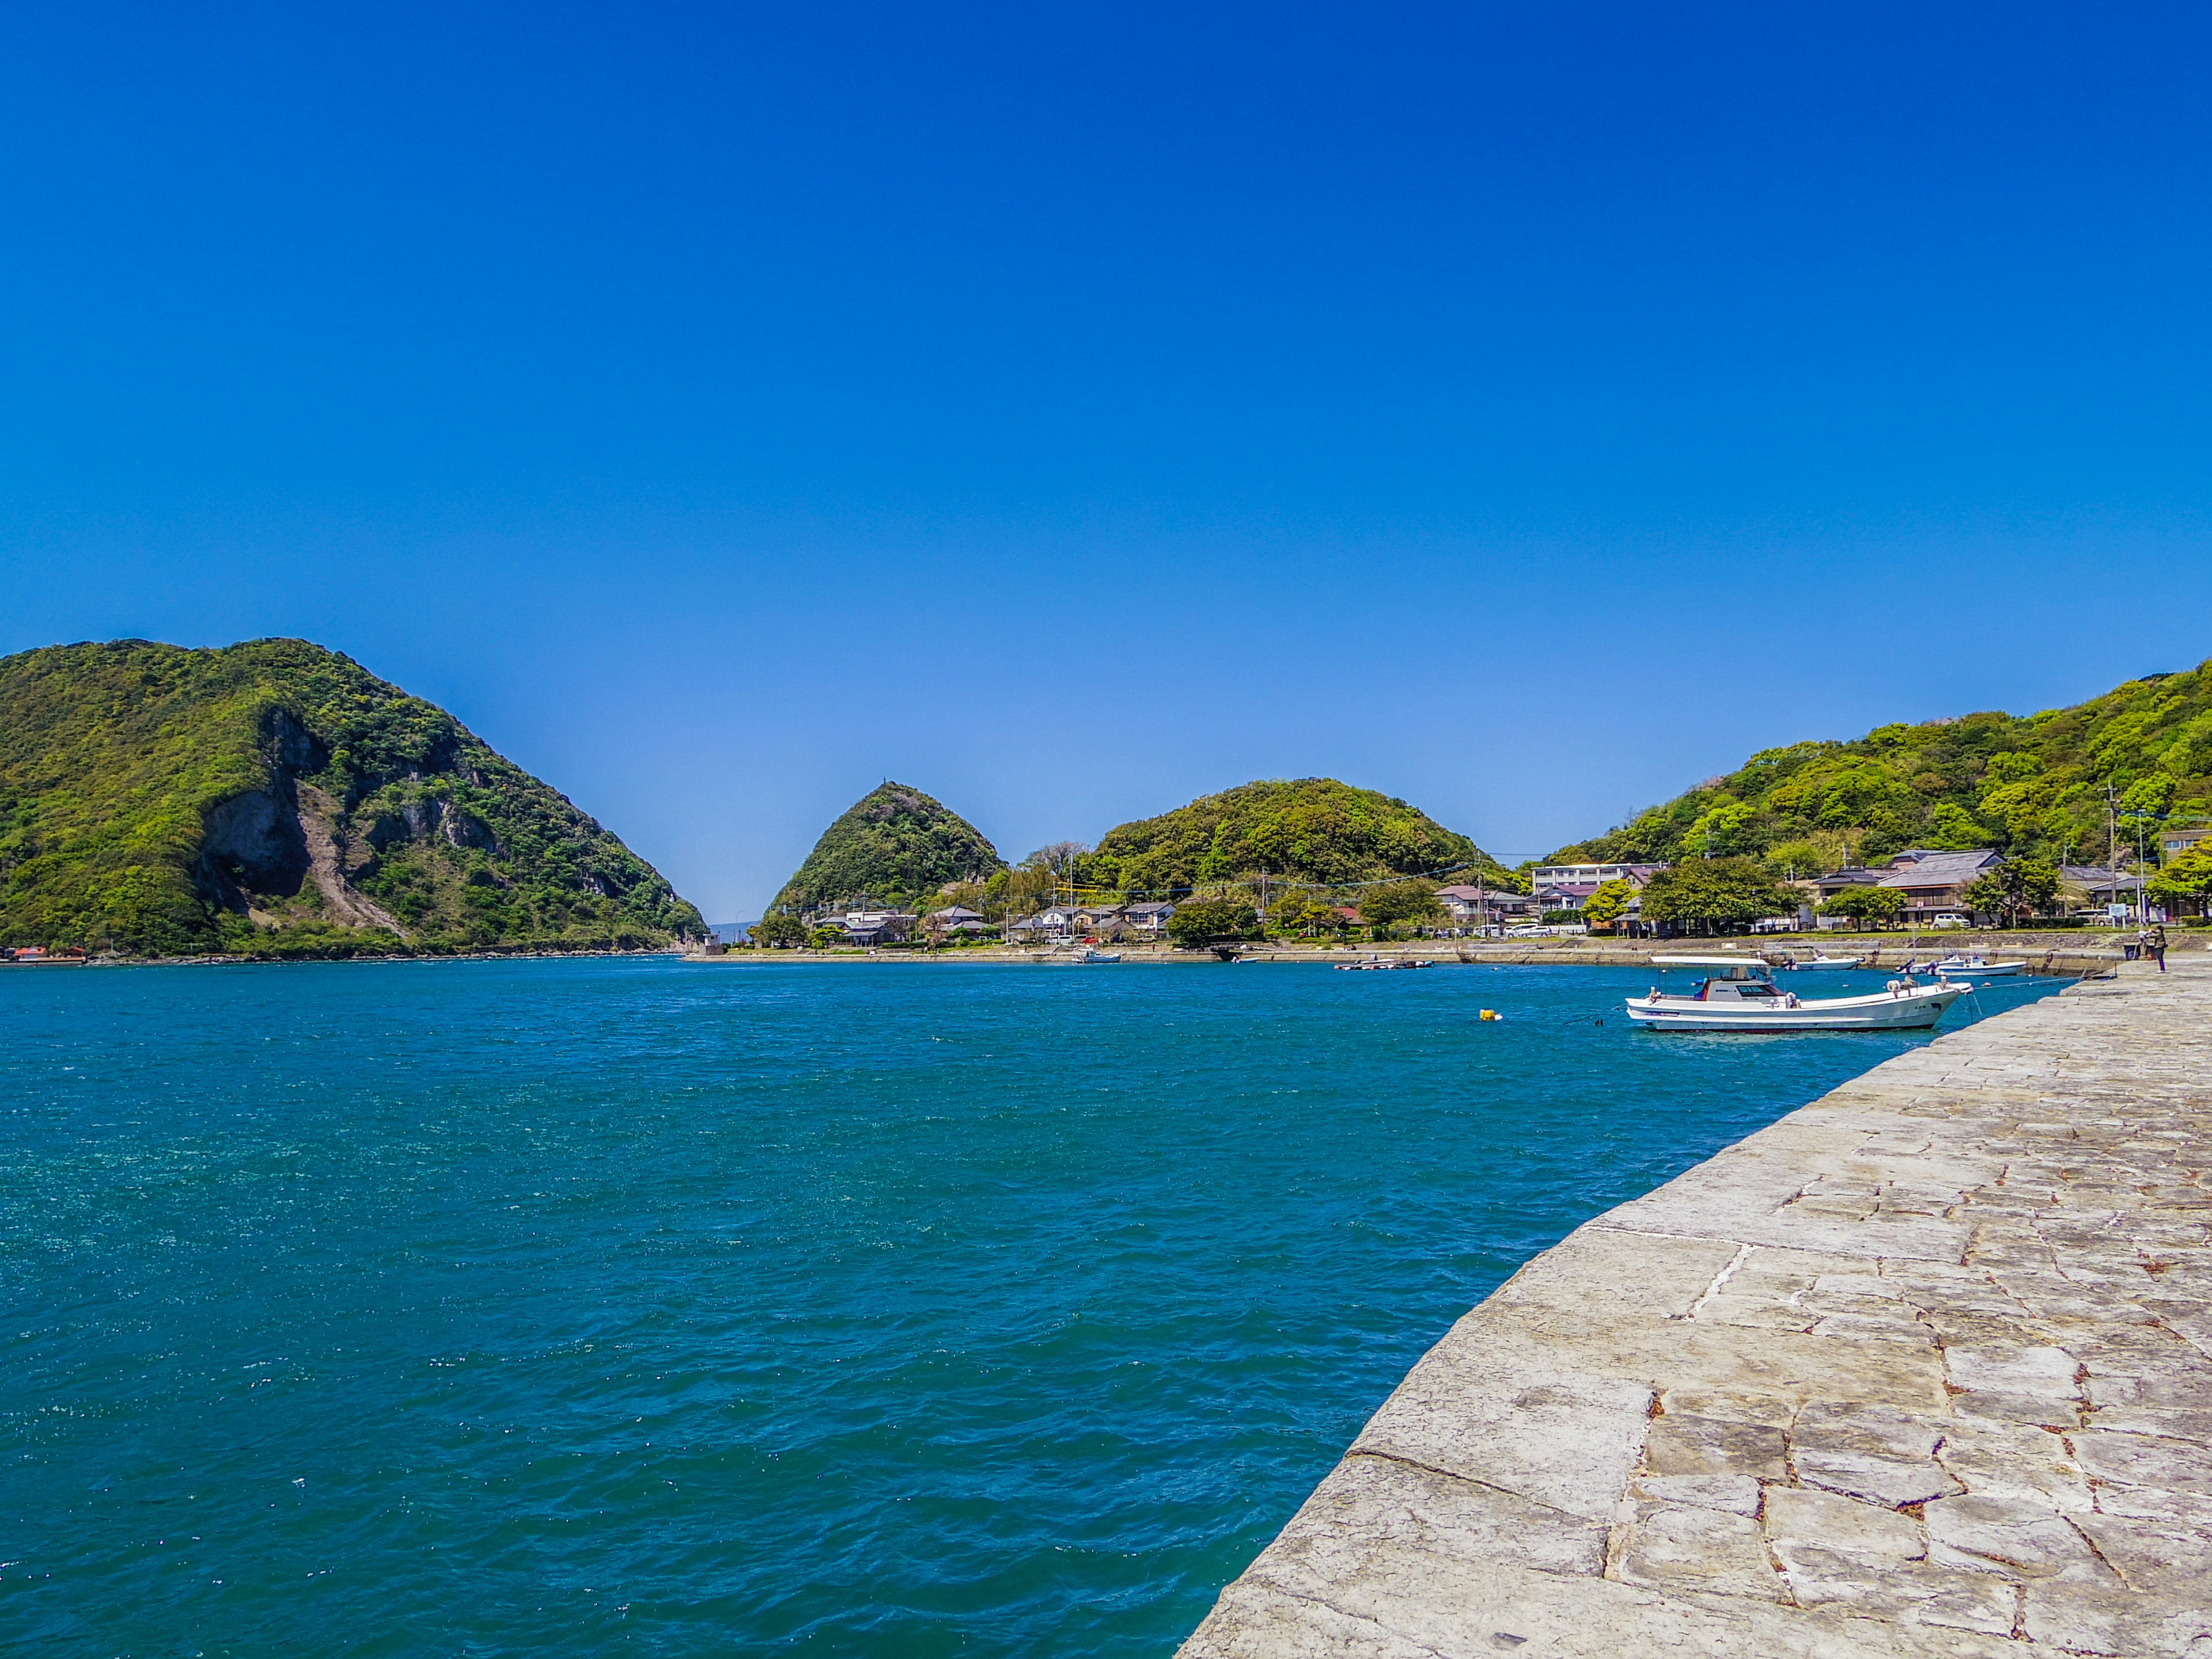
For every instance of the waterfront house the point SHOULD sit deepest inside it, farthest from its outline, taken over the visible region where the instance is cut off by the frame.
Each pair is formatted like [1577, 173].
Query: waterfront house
[1563, 895]
[1934, 882]
[1483, 905]
[877, 927]
[1150, 917]
[2093, 890]
[1824, 888]
[956, 920]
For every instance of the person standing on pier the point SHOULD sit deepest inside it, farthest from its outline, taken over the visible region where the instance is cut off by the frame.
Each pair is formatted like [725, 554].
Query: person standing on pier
[2154, 945]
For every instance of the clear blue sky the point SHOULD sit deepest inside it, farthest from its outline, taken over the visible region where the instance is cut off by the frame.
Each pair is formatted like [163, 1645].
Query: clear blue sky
[1525, 410]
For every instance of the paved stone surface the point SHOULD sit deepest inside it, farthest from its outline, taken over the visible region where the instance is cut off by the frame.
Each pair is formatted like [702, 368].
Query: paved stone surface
[1924, 1368]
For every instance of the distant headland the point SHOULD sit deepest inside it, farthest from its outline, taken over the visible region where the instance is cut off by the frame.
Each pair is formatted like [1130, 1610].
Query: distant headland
[274, 800]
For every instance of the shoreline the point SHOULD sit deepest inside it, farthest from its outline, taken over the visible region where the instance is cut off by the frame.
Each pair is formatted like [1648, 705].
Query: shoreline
[334, 962]
[2047, 953]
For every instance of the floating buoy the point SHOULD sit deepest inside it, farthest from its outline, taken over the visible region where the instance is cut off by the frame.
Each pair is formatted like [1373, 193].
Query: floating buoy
[1487, 1013]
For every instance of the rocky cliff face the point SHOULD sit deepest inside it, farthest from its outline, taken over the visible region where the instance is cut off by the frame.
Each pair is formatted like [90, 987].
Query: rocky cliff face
[275, 797]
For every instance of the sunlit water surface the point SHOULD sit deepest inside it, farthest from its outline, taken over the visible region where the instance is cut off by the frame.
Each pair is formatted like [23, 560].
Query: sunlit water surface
[640, 1306]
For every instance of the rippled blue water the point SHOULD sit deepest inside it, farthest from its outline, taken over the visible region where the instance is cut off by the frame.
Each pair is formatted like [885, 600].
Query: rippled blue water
[641, 1306]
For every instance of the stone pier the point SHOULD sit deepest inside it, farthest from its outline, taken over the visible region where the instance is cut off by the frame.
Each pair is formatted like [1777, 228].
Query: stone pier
[1924, 1368]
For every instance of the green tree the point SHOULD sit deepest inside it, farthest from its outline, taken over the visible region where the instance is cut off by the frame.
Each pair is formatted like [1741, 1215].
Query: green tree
[1608, 904]
[2013, 888]
[1201, 921]
[1956, 830]
[1869, 907]
[778, 931]
[1715, 894]
[2187, 881]
[1724, 830]
[1399, 901]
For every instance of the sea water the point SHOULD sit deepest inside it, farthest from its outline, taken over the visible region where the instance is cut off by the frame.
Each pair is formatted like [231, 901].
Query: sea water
[639, 1306]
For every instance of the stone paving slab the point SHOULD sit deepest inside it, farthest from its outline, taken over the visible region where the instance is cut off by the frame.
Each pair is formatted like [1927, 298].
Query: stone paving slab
[1925, 1368]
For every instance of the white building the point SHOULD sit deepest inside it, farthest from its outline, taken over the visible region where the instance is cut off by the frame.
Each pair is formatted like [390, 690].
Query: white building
[1591, 875]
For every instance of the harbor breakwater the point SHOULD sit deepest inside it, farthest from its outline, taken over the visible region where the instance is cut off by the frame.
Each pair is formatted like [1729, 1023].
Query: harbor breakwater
[1925, 1367]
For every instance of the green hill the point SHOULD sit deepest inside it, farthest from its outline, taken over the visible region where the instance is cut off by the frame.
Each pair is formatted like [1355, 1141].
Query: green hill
[894, 844]
[276, 798]
[2032, 786]
[1313, 829]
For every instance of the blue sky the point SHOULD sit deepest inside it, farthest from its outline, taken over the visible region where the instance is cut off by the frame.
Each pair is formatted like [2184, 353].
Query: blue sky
[1527, 411]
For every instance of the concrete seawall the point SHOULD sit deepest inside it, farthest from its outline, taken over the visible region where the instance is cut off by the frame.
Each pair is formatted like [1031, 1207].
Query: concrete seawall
[2044, 954]
[1924, 1368]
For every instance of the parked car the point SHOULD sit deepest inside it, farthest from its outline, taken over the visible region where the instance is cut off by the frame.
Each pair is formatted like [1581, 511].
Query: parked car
[1528, 930]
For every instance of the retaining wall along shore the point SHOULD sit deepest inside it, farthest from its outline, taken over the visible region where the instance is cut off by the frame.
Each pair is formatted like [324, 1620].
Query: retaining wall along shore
[2062, 954]
[1924, 1368]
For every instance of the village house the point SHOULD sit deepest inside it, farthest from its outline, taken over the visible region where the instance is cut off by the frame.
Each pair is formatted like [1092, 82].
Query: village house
[955, 920]
[1568, 886]
[877, 927]
[1056, 921]
[1935, 884]
[1486, 907]
[2173, 843]
[1482, 905]
[2092, 889]
[1150, 917]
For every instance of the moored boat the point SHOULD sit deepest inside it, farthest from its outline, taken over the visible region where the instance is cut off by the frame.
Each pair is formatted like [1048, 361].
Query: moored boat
[1740, 995]
[1953, 966]
[1822, 959]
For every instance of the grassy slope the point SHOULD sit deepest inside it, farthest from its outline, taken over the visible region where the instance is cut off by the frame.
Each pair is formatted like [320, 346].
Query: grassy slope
[1314, 830]
[2032, 786]
[112, 757]
[895, 843]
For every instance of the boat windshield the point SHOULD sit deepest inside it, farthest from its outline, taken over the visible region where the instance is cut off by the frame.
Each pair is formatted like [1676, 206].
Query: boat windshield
[1727, 978]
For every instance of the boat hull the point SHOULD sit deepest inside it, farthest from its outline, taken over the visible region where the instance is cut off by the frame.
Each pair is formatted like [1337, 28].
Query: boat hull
[1902, 1011]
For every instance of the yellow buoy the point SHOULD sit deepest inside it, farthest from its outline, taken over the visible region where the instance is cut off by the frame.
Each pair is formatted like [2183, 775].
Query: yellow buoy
[1487, 1013]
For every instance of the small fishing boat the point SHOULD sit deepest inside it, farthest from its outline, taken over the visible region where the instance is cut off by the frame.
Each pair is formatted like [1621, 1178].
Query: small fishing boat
[1738, 994]
[1375, 964]
[1954, 967]
[1822, 959]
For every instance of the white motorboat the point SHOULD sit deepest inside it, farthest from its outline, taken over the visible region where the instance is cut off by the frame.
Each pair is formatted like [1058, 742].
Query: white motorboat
[1822, 959]
[1955, 967]
[1739, 995]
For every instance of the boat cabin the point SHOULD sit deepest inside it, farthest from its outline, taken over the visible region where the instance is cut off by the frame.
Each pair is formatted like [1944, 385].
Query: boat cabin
[1734, 979]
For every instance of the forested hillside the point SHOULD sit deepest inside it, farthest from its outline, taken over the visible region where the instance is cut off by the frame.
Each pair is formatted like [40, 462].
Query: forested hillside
[2033, 785]
[895, 844]
[276, 798]
[1312, 829]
